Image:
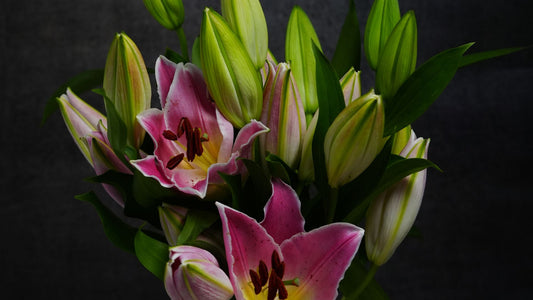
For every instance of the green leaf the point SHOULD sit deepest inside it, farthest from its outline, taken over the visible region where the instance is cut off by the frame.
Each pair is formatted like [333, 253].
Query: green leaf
[348, 51]
[481, 56]
[174, 56]
[382, 18]
[116, 128]
[152, 254]
[195, 222]
[422, 88]
[398, 59]
[300, 38]
[119, 233]
[397, 169]
[331, 103]
[235, 184]
[257, 187]
[355, 274]
[279, 169]
[148, 192]
[195, 58]
[82, 82]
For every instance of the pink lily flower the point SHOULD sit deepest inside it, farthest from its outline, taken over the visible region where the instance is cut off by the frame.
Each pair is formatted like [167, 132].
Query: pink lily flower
[277, 258]
[193, 141]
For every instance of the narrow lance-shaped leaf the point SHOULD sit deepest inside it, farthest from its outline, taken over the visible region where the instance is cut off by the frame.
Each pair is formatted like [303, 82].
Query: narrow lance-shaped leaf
[118, 232]
[382, 18]
[82, 82]
[398, 59]
[481, 56]
[152, 254]
[299, 42]
[331, 103]
[348, 51]
[422, 88]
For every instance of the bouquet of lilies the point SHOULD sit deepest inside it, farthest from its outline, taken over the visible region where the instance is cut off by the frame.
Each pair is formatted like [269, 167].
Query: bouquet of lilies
[253, 176]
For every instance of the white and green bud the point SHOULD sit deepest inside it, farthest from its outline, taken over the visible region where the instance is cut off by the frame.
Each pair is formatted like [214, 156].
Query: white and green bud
[194, 273]
[299, 53]
[400, 140]
[127, 85]
[283, 113]
[172, 220]
[392, 214]
[169, 13]
[232, 79]
[247, 20]
[351, 85]
[354, 139]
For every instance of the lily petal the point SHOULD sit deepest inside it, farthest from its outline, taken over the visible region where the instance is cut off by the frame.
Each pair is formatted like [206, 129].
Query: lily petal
[283, 218]
[246, 243]
[164, 74]
[319, 259]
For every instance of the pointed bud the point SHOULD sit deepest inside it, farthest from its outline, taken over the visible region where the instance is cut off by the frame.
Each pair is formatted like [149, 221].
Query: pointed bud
[246, 19]
[231, 77]
[299, 53]
[382, 18]
[398, 58]
[169, 13]
[193, 273]
[392, 214]
[401, 138]
[283, 113]
[354, 139]
[127, 85]
[351, 85]
[306, 170]
[81, 119]
[172, 219]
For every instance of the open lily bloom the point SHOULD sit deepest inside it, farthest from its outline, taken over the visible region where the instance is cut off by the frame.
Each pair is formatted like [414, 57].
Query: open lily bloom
[277, 258]
[193, 141]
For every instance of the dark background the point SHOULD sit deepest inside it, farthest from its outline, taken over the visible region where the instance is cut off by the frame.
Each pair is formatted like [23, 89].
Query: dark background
[475, 217]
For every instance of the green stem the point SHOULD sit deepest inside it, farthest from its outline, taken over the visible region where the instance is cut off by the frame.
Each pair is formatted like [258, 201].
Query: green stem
[183, 43]
[365, 282]
[333, 196]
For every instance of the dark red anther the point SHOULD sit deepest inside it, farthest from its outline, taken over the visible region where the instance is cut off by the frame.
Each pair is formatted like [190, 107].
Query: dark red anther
[175, 161]
[263, 272]
[280, 269]
[169, 135]
[256, 282]
[282, 290]
[191, 153]
[272, 286]
[277, 265]
[185, 127]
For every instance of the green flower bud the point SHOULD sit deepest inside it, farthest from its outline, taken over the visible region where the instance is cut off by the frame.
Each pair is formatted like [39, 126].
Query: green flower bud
[172, 219]
[306, 171]
[401, 138]
[354, 139]
[247, 20]
[231, 77]
[127, 85]
[169, 13]
[382, 18]
[351, 85]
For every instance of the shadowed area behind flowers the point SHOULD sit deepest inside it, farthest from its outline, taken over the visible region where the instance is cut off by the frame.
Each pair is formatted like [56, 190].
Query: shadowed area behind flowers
[474, 218]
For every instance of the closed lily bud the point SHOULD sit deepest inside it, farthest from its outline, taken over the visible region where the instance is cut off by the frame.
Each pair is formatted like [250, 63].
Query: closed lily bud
[127, 85]
[306, 170]
[169, 13]
[283, 113]
[193, 273]
[247, 20]
[172, 219]
[351, 85]
[354, 139]
[392, 214]
[231, 77]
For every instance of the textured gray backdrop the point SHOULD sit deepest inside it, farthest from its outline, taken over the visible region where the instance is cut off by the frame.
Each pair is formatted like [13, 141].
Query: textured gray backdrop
[475, 218]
